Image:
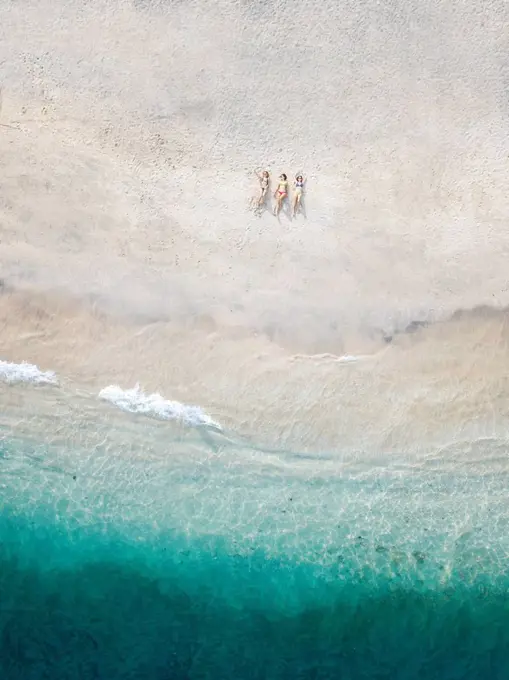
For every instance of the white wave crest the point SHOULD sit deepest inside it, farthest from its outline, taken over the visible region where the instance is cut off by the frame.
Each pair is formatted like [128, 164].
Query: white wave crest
[28, 373]
[136, 401]
[345, 359]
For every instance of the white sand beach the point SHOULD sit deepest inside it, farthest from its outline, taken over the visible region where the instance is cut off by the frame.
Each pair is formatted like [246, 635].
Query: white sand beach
[128, 254]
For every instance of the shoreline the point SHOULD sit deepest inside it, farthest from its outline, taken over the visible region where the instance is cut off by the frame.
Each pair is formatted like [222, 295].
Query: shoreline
[428, 384]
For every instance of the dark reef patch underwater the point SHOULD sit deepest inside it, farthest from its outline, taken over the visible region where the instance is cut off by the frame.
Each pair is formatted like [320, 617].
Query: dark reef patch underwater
[127, 600]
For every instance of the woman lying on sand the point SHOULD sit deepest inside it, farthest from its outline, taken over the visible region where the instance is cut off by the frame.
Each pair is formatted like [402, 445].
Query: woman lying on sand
[264, 179]
[281, 192]
[298, 189]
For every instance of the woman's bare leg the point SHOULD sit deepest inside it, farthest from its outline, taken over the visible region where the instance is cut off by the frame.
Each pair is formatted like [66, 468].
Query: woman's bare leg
[297, 203]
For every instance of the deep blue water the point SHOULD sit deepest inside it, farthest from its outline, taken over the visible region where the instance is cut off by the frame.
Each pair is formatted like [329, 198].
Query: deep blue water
[117, 596]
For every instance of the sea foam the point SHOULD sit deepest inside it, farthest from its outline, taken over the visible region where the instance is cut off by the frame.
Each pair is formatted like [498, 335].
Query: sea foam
[327, 356]
[156, 406]
[28, 373]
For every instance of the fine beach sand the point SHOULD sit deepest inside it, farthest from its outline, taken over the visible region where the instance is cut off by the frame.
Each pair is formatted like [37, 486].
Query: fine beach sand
[128, 254]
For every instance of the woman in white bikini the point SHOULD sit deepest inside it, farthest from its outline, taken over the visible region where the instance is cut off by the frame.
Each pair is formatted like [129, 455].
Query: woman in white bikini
[264, 179]
[297, 196]
[281, 193]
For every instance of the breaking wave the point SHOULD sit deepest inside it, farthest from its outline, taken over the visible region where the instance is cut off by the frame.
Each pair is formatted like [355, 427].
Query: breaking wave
[156, 406]
[13, 373]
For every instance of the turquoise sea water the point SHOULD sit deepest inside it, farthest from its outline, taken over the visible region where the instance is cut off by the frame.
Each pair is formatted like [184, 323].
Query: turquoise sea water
[223, 564]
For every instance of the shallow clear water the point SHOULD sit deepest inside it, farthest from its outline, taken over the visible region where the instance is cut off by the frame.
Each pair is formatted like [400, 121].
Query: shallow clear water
[131, 550]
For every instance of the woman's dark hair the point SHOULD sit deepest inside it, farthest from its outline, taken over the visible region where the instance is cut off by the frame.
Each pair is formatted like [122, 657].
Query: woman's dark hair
[284, 176]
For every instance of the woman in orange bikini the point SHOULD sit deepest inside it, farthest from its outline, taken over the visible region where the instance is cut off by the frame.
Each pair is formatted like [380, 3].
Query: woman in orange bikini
[281, 193]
